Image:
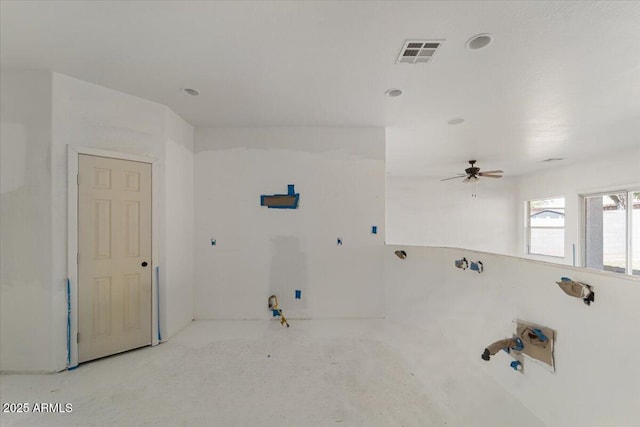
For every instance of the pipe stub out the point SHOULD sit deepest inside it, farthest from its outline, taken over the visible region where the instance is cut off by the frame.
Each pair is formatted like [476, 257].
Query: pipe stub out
[401, 254]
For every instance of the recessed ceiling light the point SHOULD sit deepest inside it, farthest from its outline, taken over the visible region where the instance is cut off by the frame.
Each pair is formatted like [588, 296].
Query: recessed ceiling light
[456, 121]
[393, 92]
[479, 41]
[190, 92]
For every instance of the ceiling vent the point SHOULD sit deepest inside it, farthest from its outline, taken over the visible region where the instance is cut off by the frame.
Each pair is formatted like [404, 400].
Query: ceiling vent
[416, 51]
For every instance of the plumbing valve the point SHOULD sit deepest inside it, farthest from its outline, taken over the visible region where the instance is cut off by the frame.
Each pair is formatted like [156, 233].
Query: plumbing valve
[506, 344]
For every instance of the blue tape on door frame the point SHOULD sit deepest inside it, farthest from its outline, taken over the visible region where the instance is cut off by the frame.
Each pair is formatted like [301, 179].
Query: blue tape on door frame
[298, 294]
[158, 292]
[68, 322]
[374, 229]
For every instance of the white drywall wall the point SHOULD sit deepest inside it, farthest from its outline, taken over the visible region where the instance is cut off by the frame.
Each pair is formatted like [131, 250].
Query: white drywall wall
[339, 173]
[178, 274]
[44, 113]
[89, 115]
[618, 172]
[25, 260]
[427, 212]
[461, 312]
[424, 211]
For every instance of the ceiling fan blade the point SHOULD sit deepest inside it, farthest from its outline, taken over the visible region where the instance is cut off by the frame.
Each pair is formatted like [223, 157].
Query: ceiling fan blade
[453, 177]
[491, 176]
[486, 172]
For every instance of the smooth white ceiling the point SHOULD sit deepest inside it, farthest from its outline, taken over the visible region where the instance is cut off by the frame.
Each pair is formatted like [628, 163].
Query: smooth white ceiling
[561, 79]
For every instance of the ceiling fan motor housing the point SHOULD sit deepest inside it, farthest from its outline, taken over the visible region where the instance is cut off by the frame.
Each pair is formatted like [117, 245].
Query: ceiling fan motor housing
[472, 171]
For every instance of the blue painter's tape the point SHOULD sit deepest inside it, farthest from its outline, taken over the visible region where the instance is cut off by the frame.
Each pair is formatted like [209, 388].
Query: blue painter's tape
[374, 229]
[158, 291]
[477, 266]
[519, 345]
[298, 294]
[275, 313]
[68, 322]
[339, 242]
[291, 190]
[540, 334]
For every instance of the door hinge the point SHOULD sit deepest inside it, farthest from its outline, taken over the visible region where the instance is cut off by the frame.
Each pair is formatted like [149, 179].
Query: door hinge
[78, 179]
[77, 337]
[78, 258]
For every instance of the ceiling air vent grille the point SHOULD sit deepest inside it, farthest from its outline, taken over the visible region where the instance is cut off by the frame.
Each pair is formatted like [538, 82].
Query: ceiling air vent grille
[417, 51]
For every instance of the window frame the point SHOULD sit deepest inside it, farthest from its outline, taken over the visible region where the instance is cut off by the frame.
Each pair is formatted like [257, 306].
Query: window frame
[527, 211]
[628, 270]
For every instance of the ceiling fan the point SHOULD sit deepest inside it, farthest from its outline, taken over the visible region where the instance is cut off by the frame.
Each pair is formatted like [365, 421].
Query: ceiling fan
[473, 174]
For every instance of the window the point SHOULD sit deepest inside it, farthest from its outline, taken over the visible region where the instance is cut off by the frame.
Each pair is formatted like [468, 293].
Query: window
[545, 227]
[612, 232]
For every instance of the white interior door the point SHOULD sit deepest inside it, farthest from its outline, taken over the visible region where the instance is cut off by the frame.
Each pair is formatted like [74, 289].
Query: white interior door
[114, 256]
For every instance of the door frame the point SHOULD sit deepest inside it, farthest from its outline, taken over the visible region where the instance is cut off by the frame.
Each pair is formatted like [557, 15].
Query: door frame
[73, 156]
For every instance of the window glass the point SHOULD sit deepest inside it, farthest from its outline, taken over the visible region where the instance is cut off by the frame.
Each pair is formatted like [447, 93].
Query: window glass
[608, 236]
[547, 241]
[635, 238]
[614, 232]
[546, 226]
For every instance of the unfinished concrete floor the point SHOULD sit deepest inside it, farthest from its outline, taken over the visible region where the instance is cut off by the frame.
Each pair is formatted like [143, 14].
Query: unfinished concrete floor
[258, 373]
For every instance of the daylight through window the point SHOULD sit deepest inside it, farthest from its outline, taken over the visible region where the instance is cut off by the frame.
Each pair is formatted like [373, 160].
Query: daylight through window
[545, 227]
[612, 232]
